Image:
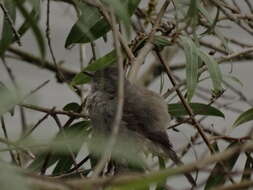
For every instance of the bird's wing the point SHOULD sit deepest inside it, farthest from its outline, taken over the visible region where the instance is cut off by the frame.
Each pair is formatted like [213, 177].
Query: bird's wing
[141, 115]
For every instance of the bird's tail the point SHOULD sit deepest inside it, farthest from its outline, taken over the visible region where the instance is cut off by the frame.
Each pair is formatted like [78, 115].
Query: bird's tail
[161, 138]
[173, 156]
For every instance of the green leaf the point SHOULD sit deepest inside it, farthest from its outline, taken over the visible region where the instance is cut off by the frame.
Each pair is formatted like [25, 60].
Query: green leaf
[37, 164]
[102, 62]
[121, 12]
[64, 164]
[192, 14]
[214, 179]
[80, 78]
[35, 14]
[76, 134]
[7, 33]
[161, 41]
[18, 181]
[79, 132]
[82, 30]
[224, 41]
[96, 65]
[8, 99]
[212, 28]
[191, 55]
[177, 110]
[213, 69]
[204, 12]
[73, 106]
[34, 25]
[91, 25]
[244, 117]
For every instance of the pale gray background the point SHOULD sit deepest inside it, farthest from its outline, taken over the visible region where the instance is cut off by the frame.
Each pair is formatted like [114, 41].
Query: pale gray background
[53, 94]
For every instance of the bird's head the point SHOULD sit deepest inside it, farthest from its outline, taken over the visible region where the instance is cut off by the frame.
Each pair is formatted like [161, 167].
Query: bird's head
[105, 80]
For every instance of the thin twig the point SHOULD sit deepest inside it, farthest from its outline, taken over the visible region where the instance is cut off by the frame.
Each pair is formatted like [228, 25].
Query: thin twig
[93, 49]
[231, 17]
[37, 61]
[120, 96]
[79, 164]
[235, 55]
[104, 12]
[81, 61]
[36, 125]
[239, 42]
[148, 46]
[188, 109]
[45, 163]
[187, 106]
[36, 89]
[249, 5]
[239, 93]
[14, 82]
[153, 176]
[47, 110]
[16, 146]
[118, 181]
[48, 36]
[7, 138]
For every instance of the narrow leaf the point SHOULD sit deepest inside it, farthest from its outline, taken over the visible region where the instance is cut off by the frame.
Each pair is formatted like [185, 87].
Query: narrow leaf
[64, 164]
[91, 25]
[161, 41]
[98, 64]
[67, 160]
[177, 110]
[77, 133]
[81, 31]
[37, 164]
[213, 69]
[35, 14]
[7, 33]
[80, 78]
[102, 62]
[8, 99]
[212, 28]
[191, 66]
[192, 14]
[121, 11]
[244, 117]
[36, 30]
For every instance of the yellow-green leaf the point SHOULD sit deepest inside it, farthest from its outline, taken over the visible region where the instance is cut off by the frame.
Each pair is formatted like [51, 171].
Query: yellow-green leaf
[244, 117]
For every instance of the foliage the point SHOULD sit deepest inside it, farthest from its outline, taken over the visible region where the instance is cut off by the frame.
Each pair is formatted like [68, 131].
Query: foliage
[142, 28]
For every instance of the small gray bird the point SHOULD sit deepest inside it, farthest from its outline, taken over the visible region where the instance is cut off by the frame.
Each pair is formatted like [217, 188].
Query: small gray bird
[144, 112]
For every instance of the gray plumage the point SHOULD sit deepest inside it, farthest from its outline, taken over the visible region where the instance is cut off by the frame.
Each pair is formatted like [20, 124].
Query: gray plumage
[144, 112]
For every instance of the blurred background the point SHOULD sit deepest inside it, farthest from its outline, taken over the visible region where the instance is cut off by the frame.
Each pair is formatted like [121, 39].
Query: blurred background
[58, 95]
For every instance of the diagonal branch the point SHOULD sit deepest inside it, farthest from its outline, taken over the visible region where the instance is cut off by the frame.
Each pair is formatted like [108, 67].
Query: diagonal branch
[119, 111]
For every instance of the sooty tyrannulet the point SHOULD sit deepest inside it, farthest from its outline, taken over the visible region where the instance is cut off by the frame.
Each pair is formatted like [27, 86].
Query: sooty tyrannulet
[144, 111]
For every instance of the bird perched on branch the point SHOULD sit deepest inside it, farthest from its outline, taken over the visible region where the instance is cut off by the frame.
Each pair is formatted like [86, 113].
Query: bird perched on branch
[144, 111]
